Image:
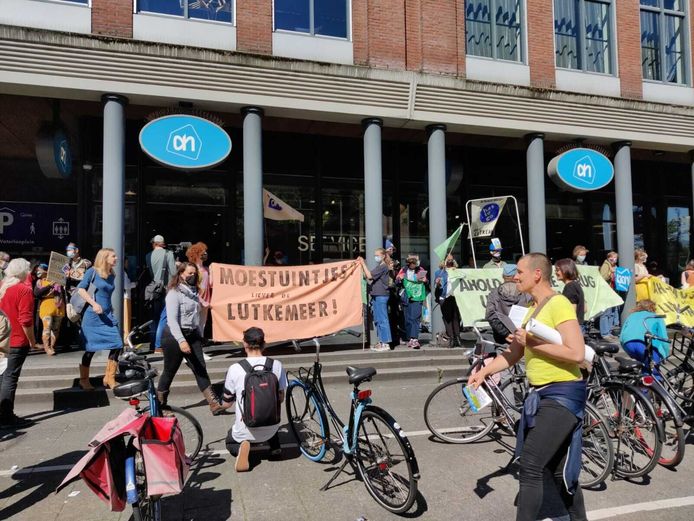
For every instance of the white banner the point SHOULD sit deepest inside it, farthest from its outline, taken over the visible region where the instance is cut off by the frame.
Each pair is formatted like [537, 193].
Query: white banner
[485, 214]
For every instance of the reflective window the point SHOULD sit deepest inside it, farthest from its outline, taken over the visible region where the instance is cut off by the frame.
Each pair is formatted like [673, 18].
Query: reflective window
[493, 29]
[322, 17]
[215, 10]
[583, 35]
[663, 44]
[83, 2]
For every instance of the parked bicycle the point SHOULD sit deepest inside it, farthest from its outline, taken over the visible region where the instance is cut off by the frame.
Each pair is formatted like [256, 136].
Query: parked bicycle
[450, 417]
[371, 441]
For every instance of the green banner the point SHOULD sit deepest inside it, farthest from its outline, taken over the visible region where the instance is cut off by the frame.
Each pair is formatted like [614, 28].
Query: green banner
[474, 285]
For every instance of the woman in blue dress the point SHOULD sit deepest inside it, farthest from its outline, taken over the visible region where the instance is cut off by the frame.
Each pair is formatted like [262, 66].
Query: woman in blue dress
[99, 325]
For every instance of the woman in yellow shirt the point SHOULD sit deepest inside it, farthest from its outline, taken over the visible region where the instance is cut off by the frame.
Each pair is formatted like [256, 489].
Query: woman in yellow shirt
[51, 308]
[549, 435]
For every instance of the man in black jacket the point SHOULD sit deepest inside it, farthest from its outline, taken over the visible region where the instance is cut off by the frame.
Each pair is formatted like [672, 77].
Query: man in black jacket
[500, 301]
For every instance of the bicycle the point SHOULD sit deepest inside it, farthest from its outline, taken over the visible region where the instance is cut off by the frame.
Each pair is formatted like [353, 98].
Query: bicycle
[450, 418]
[148, 508]
[372, 441]
[630, 416]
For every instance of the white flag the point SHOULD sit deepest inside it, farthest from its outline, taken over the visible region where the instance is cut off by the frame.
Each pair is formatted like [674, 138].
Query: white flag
[276, 209]
[485, 214]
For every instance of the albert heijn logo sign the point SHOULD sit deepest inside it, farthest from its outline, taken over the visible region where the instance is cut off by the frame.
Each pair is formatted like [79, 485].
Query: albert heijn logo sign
[185, 142]
[581, 170]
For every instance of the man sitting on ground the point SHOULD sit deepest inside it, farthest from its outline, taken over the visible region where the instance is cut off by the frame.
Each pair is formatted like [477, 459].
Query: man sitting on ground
[240, 436]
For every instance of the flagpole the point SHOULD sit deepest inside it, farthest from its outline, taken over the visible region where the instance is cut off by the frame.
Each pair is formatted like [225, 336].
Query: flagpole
[462, 226]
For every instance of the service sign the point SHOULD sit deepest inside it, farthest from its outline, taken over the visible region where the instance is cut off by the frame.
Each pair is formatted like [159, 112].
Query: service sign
[581, 170]
[185, 142]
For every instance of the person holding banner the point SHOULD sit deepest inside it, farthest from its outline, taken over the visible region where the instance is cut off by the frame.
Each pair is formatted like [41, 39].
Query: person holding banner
[640, 269]
[51, 308]
[380, 293]
[413, 279]
[182, 336]
[610, 317]
[446, 299]
[550, 430]
[687, 278]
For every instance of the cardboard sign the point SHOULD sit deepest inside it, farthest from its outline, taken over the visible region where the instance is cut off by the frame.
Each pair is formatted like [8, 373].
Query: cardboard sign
[485, 214]
[286, 302]
[58, 267]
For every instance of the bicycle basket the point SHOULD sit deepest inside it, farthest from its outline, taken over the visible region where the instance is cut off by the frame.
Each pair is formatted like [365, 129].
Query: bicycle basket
[164, 455]
[682, 348]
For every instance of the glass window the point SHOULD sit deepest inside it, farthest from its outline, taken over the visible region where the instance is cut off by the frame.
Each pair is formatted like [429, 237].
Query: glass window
[663, 45]
[322, 17]
[502, 38]
[215, 10]
[84, 2]
[583, 35]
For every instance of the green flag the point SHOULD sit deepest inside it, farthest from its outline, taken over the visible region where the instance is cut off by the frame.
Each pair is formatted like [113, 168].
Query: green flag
[447, 245]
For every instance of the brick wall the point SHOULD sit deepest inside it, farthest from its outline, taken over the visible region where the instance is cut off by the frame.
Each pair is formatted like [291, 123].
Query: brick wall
[386, 34]
[439, 36]
[254, 26]
[112, 18]
[413, 33]
[541, 43]
[629, 48]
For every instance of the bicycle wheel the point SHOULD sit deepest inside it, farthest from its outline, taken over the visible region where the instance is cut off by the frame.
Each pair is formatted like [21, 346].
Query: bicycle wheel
[450, 418]
[635, 428]
[307, 419]
[673, 447]
[190, 428]
[386, 461]
[597, 456]
[147, 508]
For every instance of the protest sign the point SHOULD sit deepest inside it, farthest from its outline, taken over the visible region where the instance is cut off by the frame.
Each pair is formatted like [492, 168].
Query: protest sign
[668, 300]
[58, 267]
[286, 302]
[622, 279]
[484, 216]
[471, 288]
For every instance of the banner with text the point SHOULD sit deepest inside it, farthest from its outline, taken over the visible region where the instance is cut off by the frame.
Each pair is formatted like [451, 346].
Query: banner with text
[286, 302]
[668, 300]
[472, 286]
[485, 214]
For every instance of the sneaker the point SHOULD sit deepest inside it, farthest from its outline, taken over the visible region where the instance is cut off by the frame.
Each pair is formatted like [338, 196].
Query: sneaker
[380, 347]
[415, 344]
[409, 343]
[206, 357]
[14, 421]
[242, 464]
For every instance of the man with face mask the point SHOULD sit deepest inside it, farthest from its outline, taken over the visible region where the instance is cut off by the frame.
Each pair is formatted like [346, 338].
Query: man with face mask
[609, 318]
[495, 262]
[77, 267]
[4, 261]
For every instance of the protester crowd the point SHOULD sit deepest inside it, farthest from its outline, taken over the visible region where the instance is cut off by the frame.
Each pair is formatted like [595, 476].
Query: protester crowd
[38, 315]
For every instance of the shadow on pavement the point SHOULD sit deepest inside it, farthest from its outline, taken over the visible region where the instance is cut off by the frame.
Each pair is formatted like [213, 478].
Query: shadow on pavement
[47, 483]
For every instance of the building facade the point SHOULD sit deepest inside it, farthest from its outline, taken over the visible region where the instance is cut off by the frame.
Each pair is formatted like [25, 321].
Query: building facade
[375, 119]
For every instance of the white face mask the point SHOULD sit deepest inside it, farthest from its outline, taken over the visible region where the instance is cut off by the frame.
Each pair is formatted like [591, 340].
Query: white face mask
[580, 258]
[496, 254]
[612, 260]
[70, 254]
[378, 258]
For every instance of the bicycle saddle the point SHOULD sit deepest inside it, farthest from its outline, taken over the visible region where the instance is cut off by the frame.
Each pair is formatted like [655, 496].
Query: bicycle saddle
[604, 348]
[130, 389]
[627, 365]
[357, 375]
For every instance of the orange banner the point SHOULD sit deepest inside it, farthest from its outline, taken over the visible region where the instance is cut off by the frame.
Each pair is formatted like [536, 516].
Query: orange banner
[286, 302]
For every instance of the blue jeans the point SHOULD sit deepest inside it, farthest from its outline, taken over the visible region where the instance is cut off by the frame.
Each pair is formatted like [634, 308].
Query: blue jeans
[608, 319]
[161, 325]
[637, 350]
[413, 318]
[379, 308]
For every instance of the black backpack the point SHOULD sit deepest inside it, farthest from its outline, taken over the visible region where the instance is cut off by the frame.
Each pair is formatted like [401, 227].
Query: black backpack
[261, 397]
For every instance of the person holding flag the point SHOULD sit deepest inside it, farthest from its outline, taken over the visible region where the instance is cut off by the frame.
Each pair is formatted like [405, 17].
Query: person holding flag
[413, 279]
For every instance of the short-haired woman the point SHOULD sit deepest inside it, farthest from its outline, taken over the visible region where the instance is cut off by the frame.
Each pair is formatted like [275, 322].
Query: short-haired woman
[100, 329]
[182, 337]
[17, 303]
[566, 271]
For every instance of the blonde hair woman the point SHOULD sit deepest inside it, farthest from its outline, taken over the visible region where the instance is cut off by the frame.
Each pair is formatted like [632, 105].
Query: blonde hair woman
[640, 270]
[99, 325]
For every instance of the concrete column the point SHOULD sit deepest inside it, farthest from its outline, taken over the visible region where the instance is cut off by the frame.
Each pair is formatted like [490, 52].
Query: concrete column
[373, 187]
[535, 164]
[436, 157]
[253, 229]
[113, 217]
[624, 206]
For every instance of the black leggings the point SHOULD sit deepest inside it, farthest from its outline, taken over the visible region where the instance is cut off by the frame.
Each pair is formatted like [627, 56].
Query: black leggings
[173, 356]
[546, 446]
[113, 354]
[451, 319]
